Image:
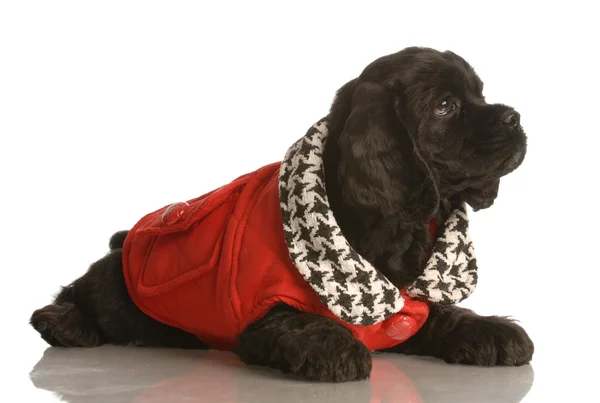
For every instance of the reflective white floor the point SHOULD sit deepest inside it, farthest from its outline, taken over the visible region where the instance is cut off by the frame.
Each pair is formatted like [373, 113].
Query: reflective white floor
[30, 371]
[119, 374]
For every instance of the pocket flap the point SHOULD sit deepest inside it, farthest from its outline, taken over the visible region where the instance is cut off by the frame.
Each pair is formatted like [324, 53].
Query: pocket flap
[184, 240]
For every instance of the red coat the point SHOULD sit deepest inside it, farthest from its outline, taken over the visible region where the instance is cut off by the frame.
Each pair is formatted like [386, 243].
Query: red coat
[216, 263]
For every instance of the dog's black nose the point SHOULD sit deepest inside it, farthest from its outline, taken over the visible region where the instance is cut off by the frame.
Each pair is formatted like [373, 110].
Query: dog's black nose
[511, 118]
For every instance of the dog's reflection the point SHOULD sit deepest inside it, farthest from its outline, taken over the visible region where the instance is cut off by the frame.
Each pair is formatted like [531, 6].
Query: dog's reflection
[129, 374]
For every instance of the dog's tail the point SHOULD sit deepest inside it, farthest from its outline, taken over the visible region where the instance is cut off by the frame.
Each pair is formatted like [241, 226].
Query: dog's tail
[117, 240]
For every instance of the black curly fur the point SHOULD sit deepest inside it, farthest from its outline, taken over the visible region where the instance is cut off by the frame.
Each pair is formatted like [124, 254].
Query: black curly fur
[96, 309]
[391, 165]
[312, 346]
[117, 240]
[460, 336]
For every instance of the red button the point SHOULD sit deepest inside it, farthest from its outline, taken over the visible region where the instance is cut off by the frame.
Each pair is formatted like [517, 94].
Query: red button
[401, 327]
[174, 213]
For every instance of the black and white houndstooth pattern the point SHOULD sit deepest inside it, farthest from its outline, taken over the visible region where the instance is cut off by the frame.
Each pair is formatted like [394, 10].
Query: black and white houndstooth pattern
[346, 282]
[451, 272]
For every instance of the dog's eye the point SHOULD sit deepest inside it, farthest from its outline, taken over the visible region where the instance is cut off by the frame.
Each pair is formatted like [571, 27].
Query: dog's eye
[444, 107]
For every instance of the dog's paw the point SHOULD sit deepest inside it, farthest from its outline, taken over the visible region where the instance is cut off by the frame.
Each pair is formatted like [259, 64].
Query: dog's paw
[328, 357]
[63, 325]
[488, 341]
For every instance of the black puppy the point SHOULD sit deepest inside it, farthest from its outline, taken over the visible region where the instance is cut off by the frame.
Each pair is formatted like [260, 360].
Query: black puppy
[409, 137]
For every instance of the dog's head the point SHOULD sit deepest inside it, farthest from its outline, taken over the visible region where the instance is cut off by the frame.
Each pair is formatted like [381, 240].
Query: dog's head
[426, 105]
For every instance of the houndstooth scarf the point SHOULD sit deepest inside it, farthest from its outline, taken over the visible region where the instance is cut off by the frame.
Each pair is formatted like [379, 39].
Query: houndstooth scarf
[345, 281]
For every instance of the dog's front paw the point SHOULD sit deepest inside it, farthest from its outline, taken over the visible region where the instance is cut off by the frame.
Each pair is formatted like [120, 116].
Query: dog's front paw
[488, 341]
[310, 346]
[331, 360]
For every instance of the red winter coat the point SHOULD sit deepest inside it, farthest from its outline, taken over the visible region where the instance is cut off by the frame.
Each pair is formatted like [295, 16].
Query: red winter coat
[214, 264]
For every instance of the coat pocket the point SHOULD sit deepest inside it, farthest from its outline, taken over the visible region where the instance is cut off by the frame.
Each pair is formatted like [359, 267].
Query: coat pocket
[185, 242]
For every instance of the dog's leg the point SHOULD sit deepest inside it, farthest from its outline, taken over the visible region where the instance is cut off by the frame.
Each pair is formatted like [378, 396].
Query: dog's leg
[96, 309]
[62, 324]
[458, 335]
[312, 346]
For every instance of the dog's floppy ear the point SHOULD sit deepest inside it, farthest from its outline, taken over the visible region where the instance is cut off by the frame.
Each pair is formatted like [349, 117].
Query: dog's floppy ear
[481, 196]
[377, 163]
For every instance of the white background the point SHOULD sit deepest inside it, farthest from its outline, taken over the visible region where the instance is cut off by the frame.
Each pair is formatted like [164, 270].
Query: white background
[109, 110]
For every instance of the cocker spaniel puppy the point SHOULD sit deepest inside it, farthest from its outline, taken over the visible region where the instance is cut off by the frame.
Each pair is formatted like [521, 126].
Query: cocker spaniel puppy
[356, 241]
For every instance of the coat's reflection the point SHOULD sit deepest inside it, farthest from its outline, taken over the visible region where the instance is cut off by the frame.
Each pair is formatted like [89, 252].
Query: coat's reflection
[130, 374]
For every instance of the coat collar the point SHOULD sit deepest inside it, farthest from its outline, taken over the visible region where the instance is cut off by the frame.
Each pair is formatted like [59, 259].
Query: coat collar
[353, 290]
